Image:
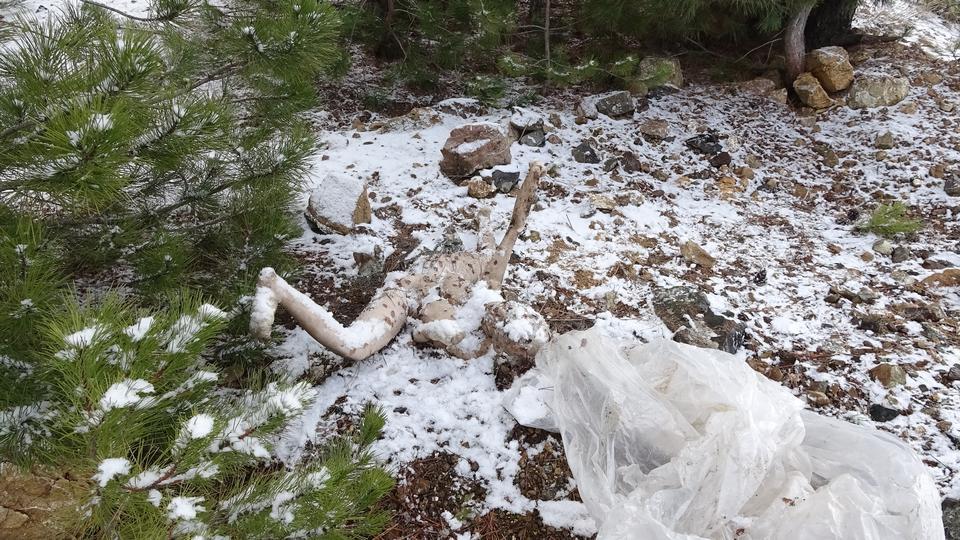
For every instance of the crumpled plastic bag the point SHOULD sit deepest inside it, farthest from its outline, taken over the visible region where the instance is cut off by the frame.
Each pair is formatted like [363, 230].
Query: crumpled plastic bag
[669, 442]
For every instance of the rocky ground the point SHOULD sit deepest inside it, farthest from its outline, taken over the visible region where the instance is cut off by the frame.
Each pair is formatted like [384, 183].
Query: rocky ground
[712, 204]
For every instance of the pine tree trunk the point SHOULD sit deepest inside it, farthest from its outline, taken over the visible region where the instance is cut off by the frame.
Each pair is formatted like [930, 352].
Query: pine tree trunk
[794, 45]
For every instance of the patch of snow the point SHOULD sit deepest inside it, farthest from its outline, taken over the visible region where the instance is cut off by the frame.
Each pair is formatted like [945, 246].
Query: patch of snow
[918, 25]
[199, 426]
[124, 394]
[110, 468]
[139, 330]
[184, 508]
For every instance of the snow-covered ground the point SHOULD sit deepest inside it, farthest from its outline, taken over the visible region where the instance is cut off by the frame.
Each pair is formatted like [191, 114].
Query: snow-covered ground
[791, 219]
[917, 25]
[794, 220]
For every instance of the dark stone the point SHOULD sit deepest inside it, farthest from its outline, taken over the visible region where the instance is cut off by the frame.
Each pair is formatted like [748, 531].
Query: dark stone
[584, 153]
[505, 181]
[953, 374]
[533, 138]
[900, 254]
[951, 186]
[951, 518]
[686, 312]
[616, 105]
[630, 162]
[721, 159]
[661, 91]
[879, 413]
[706, 143]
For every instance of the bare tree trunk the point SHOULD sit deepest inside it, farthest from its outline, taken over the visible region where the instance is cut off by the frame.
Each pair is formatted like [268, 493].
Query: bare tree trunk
[546, 40]
[383, 318]
[794, 44]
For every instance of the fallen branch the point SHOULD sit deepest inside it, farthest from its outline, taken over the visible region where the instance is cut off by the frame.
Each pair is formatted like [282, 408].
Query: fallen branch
[451, 276]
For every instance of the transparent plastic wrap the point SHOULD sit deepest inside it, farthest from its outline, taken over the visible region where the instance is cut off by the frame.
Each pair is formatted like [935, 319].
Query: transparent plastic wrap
[668, 441]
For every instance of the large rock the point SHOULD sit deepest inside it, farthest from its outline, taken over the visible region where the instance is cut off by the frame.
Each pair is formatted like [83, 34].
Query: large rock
[877, 91]
[39, 504]
[889, 375]
[338, 204]
[656, 71]
[473, 147]
[693, 253]
[615, 104]
[811, 92]
[831, 66]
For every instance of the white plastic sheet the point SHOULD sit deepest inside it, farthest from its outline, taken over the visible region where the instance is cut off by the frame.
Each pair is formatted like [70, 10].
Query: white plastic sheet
[669, 442]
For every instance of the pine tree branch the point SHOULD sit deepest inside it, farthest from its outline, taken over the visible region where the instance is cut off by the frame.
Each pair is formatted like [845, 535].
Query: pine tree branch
[125, 14]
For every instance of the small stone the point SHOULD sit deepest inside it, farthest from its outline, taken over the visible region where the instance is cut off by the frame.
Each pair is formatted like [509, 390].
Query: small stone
[951, 186]
[706, 143]
[889, 375]
[524, 121]
[338, 204]
[630, 162]
[602, 203]
[885, 141]
[879, 413]
[909, 108]
[953, 374]
[721, 159]
[584, 153]
[554, 139]
[900, 254]
[613, 104]
[693, 253]
[883, 246]
[938, 170]
[654, 128]
[818, 399]
[932, 78]
[533, 138]
[478, 188]
[810, 92]
[505, 181]
[867, 296]
[947, 106]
